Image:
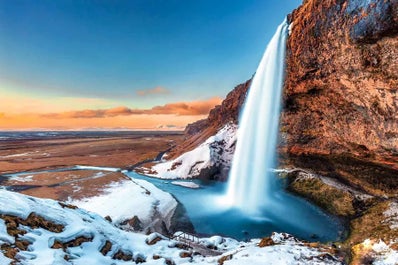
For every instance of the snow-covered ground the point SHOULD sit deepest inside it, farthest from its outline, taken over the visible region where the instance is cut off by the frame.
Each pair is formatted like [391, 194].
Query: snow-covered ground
[99, 232]
[379, 252]
[126, 199]
[287, 250]
[217, 150]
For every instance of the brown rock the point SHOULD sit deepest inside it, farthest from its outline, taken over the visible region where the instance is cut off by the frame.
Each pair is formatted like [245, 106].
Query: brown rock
[340, 96]
[22, 244]
[57, 245]
[185, 254]
[135, 223]
[153, 241]
[72, 243]
[265, 242]
[8, 251]
[69, 206]
[120, 255]
[224, 259]
[169, 262]
[106, 248]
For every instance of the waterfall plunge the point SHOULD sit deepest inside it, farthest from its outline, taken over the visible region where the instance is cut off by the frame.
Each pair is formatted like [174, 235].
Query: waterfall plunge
[251, 181]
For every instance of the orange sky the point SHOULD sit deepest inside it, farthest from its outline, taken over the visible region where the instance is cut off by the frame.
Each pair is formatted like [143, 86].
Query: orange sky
[60, 114]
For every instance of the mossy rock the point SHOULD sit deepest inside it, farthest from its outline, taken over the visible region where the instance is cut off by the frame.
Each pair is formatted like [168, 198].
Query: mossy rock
[335, 201]
[372, 224]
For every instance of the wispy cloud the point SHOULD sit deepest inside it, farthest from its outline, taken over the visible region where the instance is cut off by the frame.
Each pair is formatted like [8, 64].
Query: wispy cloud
[169, 127]
[153, 91]
[192, 108]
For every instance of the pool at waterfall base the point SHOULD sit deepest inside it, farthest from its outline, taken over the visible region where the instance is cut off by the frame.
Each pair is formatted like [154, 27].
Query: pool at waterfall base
[210, 214]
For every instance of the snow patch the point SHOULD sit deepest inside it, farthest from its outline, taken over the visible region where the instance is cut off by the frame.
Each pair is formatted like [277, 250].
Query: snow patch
[17, 155]
[391, 215]
[4, 260]
[21, 178]
[287, 250]
[110, 169]
[126, 199]
[186, 184]
[4, 236]
[384, 254]
[217, 150]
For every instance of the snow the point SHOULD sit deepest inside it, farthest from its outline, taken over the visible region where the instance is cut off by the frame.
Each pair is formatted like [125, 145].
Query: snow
[380, 252]
[391, 215]
[21, 178]
[16, 155]
[384, 254]
[217, 149]
[186, 184]
[79, 222]
[4, 237]
[126, 199]
[221, 243]
[287, 250]
[290, 29]
[3, 259]
[277, 255]
[111, 169]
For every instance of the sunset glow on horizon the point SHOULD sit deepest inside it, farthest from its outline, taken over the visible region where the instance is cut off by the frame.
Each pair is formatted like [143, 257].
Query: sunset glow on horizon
[172, 116]
[126, 64]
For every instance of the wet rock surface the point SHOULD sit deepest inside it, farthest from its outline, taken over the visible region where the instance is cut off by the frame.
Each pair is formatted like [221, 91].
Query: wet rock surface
[340, 99]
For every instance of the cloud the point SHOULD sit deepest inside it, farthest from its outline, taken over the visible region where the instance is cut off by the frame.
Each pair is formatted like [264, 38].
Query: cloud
[187, 108]
[168, 126]
[192, 108]
[153, 91]
[81, 114]
[2, 115]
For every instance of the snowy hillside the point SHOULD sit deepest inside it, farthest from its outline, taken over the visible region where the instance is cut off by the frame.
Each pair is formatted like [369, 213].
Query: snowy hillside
[129, 199]
[215, 154]
[39, 231]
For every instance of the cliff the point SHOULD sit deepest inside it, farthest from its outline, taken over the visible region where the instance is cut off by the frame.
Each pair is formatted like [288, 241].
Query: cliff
[340, 105]
[340, 113]
[197, 132]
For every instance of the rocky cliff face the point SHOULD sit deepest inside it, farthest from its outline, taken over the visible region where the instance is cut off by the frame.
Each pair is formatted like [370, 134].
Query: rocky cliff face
[198, 132]
[209, 144]
[340, 113]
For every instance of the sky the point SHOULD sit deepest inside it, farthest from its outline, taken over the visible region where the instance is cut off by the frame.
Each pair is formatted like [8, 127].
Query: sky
[137, 64]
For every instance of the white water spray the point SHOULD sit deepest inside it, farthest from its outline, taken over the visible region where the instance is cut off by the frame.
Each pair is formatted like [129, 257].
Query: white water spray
[251, 180]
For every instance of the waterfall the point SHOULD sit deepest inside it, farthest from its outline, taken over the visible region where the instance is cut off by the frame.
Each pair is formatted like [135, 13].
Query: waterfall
[251, 180]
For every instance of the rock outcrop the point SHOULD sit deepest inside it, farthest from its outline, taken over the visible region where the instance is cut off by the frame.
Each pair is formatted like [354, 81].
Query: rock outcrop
[199, 133]
[340, 113]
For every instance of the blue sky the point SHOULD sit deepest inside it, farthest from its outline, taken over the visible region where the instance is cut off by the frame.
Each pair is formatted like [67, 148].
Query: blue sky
[109, 50]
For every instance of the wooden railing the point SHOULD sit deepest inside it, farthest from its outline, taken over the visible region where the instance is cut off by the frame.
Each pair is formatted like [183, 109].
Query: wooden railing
[186, 237]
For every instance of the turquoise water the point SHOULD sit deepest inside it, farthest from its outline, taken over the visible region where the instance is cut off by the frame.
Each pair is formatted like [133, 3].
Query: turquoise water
[211, 215]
